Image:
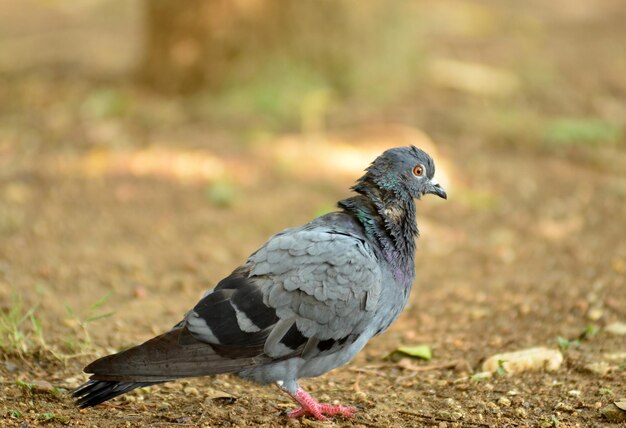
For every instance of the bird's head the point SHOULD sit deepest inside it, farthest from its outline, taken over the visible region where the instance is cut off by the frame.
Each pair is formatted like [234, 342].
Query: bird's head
[407, 171]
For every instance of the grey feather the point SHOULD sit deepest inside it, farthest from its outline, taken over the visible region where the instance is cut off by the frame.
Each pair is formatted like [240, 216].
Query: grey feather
[315, 276]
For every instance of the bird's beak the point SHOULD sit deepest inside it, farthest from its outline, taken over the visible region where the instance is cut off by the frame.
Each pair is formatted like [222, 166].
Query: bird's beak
[436, 189]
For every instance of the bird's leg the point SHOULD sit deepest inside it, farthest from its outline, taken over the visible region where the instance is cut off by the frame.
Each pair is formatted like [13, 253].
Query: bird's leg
[310, 406]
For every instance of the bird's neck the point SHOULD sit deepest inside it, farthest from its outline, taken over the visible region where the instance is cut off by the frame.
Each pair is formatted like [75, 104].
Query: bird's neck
[389, 221]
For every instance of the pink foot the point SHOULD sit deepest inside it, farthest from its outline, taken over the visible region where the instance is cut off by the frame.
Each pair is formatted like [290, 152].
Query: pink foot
[309, 406]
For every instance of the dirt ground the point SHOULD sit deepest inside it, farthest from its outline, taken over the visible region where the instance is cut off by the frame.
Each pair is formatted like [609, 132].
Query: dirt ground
[536, 253]
[134, 217]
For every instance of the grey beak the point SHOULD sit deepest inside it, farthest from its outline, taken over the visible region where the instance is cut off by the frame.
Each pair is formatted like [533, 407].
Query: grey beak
[436, 189]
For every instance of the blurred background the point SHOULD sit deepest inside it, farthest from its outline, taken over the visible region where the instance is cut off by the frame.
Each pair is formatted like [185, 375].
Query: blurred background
[147, 147]
[515, 75]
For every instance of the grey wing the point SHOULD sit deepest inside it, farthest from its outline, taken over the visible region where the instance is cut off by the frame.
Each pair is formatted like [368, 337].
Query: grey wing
[306, 291]
[323, 284]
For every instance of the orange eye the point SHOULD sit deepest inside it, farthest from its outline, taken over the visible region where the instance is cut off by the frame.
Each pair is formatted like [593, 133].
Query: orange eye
[418, 171]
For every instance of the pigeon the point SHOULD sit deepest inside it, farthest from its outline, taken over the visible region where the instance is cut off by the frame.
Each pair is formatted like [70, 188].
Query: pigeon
[304, 303]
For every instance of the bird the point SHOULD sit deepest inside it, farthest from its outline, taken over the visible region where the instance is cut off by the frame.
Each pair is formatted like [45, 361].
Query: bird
[303, 304]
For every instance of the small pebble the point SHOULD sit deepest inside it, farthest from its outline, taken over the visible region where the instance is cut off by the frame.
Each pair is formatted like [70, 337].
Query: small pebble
[73, 382]
[573, 393]
[190, 390]
[521, 412]
[42, 386]
[504, 402]
[531, 359]
[450, 402]
[492, 406]
[616, 328]
[601, 368]
[564, 408]
[360, 396]
[481, 376]
[595, 314]
[612, 413]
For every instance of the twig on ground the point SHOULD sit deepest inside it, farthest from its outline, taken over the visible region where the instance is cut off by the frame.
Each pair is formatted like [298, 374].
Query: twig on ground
[367, 371]
[415, 369]
[356, 386]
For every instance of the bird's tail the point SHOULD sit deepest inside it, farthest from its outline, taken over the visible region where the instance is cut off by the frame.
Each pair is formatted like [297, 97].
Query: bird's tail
[94, 391]
[173, 355]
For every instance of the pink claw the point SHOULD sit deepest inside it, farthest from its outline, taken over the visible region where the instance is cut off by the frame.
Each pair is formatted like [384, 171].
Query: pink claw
[309, 406]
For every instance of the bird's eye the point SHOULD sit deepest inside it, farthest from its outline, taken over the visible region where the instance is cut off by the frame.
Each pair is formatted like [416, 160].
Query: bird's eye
[418, 171]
